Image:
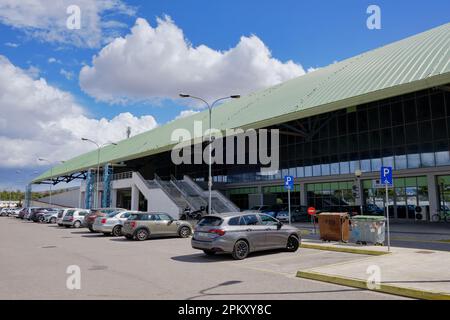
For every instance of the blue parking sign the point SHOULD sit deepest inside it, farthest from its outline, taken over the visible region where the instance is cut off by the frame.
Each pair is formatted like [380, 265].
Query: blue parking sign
[386, 175]
[288, 182]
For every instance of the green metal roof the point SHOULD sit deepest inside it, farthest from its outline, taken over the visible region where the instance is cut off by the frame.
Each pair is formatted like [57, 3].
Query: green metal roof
[412, 64]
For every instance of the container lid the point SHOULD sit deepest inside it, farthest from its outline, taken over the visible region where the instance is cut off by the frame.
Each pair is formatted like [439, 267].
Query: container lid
[369, 218]
[334, 214]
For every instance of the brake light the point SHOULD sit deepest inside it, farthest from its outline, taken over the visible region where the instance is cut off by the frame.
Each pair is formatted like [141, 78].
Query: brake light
[103, 221]
[219, 232]
[133, 224]
[70, 218]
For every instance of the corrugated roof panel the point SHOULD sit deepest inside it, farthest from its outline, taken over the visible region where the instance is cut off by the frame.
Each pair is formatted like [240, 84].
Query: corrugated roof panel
[411, 64]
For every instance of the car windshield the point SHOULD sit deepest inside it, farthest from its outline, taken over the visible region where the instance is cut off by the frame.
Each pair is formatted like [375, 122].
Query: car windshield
[210, 221]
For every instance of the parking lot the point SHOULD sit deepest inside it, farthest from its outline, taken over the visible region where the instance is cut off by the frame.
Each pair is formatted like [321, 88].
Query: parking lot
[35, 257]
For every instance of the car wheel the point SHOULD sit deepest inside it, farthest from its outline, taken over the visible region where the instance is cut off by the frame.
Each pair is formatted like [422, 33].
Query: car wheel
[209, 252]
[240, 250]
[53, 220]
[142, 235]
[435, 218]
[292, 244]
[117, 231]
[184, 232]
[77, 224]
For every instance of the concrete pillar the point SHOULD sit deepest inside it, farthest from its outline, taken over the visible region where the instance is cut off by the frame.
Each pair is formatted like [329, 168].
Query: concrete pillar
[432, 193]
[134, 198]
[303, 196]
[113, 198]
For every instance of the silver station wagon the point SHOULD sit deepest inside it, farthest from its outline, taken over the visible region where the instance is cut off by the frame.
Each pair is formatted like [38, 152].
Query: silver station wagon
[241, 234]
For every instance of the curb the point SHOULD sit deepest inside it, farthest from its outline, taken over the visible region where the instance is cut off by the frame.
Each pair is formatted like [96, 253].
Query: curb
[384, 288]
[343, 249]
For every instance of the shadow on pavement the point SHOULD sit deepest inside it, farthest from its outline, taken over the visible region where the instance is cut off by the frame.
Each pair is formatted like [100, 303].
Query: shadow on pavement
[204, 293]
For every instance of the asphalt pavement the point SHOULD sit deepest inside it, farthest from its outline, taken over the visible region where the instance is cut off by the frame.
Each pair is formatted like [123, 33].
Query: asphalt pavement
[35, 259]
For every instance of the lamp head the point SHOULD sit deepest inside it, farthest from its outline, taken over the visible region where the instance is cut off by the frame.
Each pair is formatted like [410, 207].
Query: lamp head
[183, 95]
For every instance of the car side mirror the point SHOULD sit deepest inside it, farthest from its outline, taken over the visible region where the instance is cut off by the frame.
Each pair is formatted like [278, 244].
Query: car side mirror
[279, 225]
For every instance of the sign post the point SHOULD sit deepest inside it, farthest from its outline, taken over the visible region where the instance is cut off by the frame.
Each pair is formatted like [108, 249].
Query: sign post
[386, 179]
[312, 213]
[289, 185]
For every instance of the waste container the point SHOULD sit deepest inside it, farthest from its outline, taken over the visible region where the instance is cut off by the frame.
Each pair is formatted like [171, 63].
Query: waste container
[334, 226]
[368, 229]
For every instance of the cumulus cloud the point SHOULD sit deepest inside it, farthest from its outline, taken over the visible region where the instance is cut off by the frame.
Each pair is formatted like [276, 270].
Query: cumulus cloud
[46, 20]
[151, 63]
[38, 119]
[11, 44]
[67, 74]
[186, 113]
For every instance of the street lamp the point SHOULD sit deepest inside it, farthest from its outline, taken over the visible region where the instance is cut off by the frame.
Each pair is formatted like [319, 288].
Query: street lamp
[98, 165]
[358, 174]
[210, 106]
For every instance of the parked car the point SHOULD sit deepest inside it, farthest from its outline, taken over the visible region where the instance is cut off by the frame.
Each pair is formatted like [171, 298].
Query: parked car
[75, 218]
[99, 212]
[4, 212]
[240, 235]
[32, 212]
[112, 223]
[21, 214]
[52, 216]
[142, 226]
[13, 212]
[61, 214]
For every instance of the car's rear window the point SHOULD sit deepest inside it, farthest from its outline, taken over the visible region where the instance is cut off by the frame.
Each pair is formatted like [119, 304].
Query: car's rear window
[210, 221]
[70, 213]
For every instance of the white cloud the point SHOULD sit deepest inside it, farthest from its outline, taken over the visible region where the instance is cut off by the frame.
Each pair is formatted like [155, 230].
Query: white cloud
[186, 113]
[46, 20]
[53, 60]
[67, 74]
[38, 119]
[151, 63]
[11, 44]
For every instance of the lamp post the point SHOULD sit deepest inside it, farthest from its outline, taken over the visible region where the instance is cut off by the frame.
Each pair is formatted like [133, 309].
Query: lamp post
[98, 165]
[358, 174]
[210, 107]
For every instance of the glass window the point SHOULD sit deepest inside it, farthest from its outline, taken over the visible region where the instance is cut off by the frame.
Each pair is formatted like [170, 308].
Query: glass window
[316, 171]
[267, 220]
[344, 167]
[388, 161]
[300, 172]
[365, 165]
[249, 220]
[376, 164]
[439, 129]
[325, 169]
[308, 171]
[423, 108]
[397, 114]
[164, 217]
[442, 158]
[293, 172]
[413, 160]
[334, 168]
[400, 162]
[427, 159]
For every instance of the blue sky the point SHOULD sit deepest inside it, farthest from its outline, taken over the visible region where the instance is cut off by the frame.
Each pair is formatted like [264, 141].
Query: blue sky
[310, 33]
